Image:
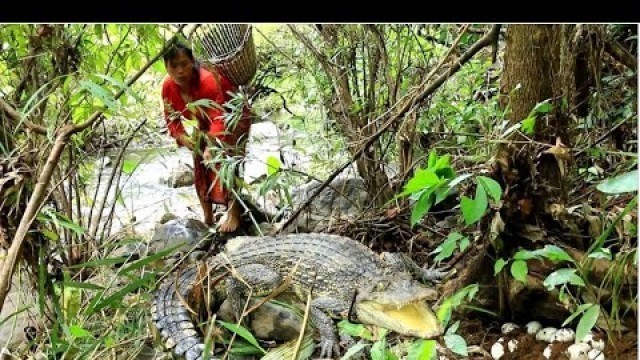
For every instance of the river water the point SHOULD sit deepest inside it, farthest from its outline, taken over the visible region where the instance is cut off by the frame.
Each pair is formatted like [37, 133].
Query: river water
[145, 196]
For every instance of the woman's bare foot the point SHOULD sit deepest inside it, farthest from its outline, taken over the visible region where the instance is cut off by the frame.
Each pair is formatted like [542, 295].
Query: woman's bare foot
[231, 219]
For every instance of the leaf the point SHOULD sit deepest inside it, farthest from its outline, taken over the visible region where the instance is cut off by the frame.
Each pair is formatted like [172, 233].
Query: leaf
[528, 125]
[244, 333]
[422, 350]
[525, 255]
[98, 91]
[78, 331]
[473, 210]
[431, 160]
[100, 262]
[459, 179]
[441, 194]
[456, 343]
[464, 243]
[498, 266]
[579, 310]
[519, 270]
[602, 253]
[422, 179]
[587, 321]
[446, 308]
[492, 187]
[453, 328]
[445, 250]
[130, 165]
[627, 182]
[561, 277]
[357, 330]
[121, 86]
[421, 207]
[97, 305]
[65, 222]
[81, 285]
[149, 259]
[355, 349]
[542, 108]
[273, 165]
[554, 253]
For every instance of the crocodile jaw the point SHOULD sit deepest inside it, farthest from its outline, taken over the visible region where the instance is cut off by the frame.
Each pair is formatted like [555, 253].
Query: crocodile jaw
[413, 319]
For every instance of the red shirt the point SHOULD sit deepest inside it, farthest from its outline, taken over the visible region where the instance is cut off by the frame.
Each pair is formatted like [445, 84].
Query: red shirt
[209, 86]
[215, 87]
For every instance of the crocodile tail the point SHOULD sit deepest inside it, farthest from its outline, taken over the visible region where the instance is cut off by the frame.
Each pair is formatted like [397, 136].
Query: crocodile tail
[171, 316]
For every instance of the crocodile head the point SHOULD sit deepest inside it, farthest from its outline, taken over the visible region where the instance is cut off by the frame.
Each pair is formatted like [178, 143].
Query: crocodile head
[400, 305]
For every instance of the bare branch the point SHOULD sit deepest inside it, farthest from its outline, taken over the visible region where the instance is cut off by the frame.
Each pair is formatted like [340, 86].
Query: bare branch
[618, 52]
[16, 117]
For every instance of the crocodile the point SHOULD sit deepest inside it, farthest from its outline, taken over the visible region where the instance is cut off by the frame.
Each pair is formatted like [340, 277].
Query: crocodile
[345, 279]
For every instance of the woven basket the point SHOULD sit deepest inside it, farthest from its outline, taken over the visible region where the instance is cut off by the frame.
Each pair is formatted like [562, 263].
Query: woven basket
[229, 48]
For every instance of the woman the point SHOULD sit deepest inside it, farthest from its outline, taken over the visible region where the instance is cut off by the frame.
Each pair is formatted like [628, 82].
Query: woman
[185, 83]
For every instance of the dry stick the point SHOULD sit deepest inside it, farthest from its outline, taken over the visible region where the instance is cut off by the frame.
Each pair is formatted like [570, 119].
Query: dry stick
[604, 136]
[485, 41]
[38, 196]
[618, 52]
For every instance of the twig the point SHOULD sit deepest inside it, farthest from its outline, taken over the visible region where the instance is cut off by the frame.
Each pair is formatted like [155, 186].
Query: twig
[305, 320]
[605, 135]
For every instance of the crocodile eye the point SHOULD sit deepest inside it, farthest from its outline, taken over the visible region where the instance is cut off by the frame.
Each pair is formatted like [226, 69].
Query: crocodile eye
[381, 286]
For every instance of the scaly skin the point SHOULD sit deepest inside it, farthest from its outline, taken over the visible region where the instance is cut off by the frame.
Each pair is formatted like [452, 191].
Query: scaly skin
[339, 271]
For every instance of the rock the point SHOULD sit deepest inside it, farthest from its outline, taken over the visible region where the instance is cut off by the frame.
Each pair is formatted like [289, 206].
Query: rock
[268, 322]
[187, 232]
[166, 217]
[184, 233]
[180, 175]
[342, 199]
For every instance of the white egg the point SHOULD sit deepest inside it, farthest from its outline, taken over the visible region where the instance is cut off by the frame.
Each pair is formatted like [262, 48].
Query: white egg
[546, 334]
[564, 335]
[508, 327]
[595, 354]
[547, 352]
[533, 327]
[512, 345]
[578, 351]
[497, 350]
[597, 344]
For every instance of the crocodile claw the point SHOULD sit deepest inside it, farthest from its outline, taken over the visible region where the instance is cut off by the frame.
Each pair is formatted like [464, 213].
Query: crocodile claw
[328, 348]
[437, 274]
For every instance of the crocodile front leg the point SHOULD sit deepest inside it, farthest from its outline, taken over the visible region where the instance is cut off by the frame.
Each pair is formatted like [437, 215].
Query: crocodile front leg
[321, 312]
[399, 262]
[250, 280]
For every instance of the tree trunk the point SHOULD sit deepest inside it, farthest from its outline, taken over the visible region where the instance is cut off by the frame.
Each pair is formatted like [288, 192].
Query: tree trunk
[534, 177]
[539, 66]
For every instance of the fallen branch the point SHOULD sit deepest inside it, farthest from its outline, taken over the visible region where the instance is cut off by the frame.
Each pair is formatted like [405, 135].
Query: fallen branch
[38, 196]
[618, 52]
[485, 41]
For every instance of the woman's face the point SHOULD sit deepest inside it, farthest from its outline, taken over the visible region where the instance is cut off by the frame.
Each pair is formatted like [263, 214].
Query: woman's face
[180, 68]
